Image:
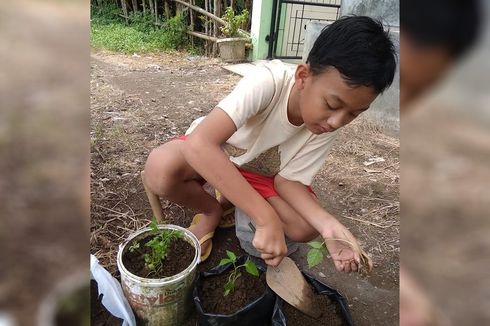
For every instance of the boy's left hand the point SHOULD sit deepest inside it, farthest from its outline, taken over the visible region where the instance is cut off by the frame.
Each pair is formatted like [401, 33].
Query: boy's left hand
[344, 248]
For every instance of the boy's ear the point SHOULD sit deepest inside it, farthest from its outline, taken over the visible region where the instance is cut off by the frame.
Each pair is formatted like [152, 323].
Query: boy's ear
[302, 72]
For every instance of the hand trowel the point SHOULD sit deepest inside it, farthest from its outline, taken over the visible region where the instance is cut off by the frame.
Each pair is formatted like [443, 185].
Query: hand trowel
[287, 282]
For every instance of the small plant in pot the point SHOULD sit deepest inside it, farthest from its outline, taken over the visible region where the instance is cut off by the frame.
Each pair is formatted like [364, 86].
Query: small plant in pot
[234, 293]
[158, 268]
[232, 47]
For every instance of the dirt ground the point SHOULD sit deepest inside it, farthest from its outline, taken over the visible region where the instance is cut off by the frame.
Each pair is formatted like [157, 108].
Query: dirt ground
[139, 102]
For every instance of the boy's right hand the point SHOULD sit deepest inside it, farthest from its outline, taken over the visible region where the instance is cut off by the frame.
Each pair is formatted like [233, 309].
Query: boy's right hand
[270, 242]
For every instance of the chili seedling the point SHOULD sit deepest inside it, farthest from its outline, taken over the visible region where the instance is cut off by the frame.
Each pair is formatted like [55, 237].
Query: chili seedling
[249, 265]
[319, 250]
[159, 244]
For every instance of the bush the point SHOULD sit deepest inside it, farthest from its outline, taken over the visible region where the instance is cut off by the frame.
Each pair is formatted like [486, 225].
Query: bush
[110, 31]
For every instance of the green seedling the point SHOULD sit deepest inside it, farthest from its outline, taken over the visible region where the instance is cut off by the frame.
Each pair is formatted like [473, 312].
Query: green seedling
[159, 244]
[316, 253]
[249, 265]
[319, 250]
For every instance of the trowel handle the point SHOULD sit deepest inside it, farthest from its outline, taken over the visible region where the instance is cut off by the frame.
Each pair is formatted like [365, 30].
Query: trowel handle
[251, 226]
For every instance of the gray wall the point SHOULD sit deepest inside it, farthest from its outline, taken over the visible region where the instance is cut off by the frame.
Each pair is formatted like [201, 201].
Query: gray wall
[384, 111]
[385, 10]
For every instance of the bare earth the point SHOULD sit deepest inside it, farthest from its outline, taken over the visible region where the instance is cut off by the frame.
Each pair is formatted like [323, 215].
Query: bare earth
[140, 102]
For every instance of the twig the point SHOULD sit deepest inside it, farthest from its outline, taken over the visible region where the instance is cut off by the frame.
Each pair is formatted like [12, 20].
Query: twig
[111, 210]
[369, 223]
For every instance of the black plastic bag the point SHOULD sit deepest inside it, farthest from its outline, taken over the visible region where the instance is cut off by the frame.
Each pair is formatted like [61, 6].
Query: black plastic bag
[256, 313]
[279, 319]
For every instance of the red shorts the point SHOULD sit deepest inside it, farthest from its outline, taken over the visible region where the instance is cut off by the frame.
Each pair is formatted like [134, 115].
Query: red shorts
[262, 184]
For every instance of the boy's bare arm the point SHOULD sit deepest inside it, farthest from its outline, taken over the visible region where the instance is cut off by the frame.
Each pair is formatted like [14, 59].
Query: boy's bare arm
[202, 151]
[297, 196]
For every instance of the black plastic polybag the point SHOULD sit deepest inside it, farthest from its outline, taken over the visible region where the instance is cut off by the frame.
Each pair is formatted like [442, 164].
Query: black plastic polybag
[256, 313]
[279, 319]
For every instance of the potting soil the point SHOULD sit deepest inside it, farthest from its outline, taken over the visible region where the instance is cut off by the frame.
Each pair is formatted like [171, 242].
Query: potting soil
[331, 316]
[248, 288]
[179, 257]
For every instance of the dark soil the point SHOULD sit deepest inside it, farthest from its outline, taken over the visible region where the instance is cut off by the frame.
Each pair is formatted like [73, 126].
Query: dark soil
[331, 315]
[248, 289]
[99, 316]
[180, 256]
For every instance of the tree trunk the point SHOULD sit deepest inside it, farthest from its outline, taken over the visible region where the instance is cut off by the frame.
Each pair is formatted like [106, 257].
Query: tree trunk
[135, 6]
[144, 7]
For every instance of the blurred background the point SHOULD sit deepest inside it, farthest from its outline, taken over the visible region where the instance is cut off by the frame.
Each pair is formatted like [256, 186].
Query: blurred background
[445, 163]
[44, 162]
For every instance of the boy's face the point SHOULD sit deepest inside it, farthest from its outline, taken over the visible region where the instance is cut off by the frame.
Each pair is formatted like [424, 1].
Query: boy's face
[326, 102]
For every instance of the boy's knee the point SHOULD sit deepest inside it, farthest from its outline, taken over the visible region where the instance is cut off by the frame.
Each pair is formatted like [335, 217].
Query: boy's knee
[158, 173]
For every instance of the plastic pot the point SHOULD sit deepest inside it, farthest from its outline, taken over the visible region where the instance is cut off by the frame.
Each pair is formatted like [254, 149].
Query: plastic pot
[257, 312]
[232, 49]
[165, 301]
[279, 318]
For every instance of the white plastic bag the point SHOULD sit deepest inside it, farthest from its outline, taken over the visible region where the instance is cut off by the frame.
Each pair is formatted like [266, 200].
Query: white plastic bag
[113, 299]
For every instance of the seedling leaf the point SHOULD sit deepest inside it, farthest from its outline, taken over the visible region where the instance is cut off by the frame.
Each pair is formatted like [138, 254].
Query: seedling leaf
[154, 225]
[251, 268]
[314, 257]
[228, 288]
[315, 244]
[231, 255]
[224, 261]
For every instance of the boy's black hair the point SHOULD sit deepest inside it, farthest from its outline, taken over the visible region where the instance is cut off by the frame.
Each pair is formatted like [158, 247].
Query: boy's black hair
[451, 24]
[360, 48]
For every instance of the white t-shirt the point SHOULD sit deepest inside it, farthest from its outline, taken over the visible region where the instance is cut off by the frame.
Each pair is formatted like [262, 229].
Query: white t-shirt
[265, 141]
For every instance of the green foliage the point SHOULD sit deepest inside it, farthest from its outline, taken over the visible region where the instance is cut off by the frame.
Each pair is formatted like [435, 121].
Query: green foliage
[107, 13]
[316, 253]
[109, 31]
[159, 244]
[249, 265]
[234, 22]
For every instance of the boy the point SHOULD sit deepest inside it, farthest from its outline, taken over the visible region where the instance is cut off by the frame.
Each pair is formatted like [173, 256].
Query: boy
[276, 128]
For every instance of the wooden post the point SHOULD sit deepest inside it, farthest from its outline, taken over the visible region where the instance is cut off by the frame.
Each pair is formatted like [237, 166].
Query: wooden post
[125, 10]
[167, 9]
[156, 11]
[206, 29]
[215, 27]
[191, 14]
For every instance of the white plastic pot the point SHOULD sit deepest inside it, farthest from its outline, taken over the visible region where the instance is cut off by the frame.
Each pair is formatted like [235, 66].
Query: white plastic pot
[165, 301]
